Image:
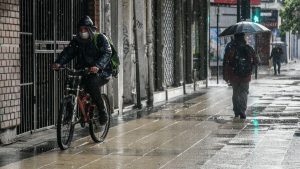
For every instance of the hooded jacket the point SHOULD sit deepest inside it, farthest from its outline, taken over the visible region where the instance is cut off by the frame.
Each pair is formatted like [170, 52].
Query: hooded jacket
[88, 55]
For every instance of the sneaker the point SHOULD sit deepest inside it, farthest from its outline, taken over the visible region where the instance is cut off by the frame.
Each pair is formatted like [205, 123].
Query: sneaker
[103, 117]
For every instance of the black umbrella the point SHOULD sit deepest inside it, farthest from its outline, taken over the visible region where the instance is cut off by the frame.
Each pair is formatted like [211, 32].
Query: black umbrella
[244, 27]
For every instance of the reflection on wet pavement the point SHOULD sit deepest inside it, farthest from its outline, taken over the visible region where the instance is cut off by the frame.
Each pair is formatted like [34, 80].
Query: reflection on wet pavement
[197, 131]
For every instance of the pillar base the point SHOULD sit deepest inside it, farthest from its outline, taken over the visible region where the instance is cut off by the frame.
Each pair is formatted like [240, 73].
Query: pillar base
[8, 136]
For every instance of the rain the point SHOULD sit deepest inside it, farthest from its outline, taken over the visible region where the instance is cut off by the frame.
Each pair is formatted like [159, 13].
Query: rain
[156, 84]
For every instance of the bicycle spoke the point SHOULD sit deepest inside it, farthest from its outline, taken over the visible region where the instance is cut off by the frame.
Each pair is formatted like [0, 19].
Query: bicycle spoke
[65, 128]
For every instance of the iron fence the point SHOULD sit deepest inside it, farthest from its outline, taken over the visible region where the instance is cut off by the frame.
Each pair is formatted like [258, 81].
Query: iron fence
[46, 28]
[168, 38]
[27, 82]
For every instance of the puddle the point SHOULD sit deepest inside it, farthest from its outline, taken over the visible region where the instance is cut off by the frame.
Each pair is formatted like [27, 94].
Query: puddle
[241, 142]
[257, 127]
[185, 117]
[225, 135]
[46, 146]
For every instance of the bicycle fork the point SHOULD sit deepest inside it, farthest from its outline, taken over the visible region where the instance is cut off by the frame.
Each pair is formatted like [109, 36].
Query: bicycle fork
[74, 121]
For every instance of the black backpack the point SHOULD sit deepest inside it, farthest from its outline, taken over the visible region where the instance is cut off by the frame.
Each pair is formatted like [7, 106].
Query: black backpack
[242, 65]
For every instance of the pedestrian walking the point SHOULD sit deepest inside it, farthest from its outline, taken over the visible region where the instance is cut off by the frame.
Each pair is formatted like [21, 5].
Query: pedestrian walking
[276, 55]
[238, 62]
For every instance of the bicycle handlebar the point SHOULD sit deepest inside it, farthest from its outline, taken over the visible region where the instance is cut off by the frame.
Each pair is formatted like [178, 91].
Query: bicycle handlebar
[74, 72]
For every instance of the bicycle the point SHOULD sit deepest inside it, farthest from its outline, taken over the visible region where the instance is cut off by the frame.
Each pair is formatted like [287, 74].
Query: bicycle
[77, 107]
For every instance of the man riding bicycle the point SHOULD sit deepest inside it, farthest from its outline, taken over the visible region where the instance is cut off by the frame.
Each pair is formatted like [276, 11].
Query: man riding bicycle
[87, 55]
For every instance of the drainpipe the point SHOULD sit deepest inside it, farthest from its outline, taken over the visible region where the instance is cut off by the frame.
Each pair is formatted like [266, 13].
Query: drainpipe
[137, 70]
[149, 40]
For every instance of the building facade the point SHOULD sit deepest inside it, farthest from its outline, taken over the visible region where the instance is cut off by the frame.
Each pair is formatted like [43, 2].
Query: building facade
[162, 46]
[10, 68]
[272, 20]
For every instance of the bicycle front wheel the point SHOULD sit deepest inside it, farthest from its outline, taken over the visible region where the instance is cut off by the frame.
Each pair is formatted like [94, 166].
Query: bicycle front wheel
[98, 132]
[65, 128]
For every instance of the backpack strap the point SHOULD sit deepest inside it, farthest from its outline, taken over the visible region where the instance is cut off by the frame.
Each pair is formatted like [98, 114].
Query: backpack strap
[108, 39]
[96, 35]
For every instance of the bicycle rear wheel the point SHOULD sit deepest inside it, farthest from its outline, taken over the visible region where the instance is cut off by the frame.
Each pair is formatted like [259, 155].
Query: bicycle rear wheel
[65, 128]
[98, 132]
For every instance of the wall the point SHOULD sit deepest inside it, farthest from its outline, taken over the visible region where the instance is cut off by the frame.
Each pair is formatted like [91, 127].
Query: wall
[141, 45]
[292, 46]
[129, 55]
[9, 69]
[227, 16]
[128, 52]
[298, 47]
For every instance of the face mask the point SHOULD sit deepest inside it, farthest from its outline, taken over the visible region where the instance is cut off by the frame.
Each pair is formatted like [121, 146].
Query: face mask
[84, 35]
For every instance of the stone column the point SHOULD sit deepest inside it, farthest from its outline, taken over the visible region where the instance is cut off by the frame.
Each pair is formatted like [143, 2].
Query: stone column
[139, 46]
[179, 21]
[117, 37]
[159, 46]
[128, 54]
[204, 38]
[189, 54]
[107, 30]
[150, 52]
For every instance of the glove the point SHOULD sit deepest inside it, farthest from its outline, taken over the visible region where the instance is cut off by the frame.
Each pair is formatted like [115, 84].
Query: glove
[55, 66]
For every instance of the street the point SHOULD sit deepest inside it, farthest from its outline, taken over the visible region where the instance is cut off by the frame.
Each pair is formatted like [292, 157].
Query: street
[161, 68]
[188, 133]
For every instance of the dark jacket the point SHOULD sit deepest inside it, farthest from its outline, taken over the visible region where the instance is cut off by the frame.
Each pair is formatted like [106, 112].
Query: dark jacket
[228, 70]
[276, 54]
[87, 55]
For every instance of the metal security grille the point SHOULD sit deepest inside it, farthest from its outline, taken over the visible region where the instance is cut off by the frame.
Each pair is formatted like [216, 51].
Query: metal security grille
[26, 52]
[46, 28]
[168, 41]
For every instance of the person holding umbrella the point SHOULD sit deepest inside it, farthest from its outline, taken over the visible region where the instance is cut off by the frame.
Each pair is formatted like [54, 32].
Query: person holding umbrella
[238, 62]
[239, 59]
[276, 55]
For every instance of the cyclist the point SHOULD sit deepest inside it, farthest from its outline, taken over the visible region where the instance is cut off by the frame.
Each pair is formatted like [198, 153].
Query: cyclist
[87, 55]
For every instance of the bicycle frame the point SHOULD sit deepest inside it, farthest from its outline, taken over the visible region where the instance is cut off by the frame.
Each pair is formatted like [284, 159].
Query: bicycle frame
[81, 111]
[85, 106]
[81, 97]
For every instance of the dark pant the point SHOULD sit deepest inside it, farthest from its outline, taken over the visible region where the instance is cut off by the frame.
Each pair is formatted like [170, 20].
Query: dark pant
[92, 85]
[276, 62]
[240, 97]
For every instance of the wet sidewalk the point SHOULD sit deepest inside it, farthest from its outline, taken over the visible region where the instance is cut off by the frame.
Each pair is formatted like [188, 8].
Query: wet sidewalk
[196, 131]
